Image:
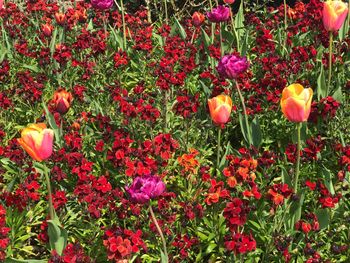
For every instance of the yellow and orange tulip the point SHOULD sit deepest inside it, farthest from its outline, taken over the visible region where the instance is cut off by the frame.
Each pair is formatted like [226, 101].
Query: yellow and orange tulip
[37, 141]
[334, 14]
[62, 100]
[296, 102]
[220, 108]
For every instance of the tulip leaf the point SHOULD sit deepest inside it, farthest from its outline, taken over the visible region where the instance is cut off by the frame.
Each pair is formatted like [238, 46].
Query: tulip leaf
[343, 31]
[57, 235]
[322, 217]
[206, 38]
[256, 132]
[12, 260]
[164, 259]
[243, 127]
[295, 210]
[321, 84]
[57, 130]
[178, 27]
[327, 176]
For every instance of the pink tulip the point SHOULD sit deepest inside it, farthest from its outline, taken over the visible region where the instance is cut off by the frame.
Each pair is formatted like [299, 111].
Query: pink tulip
[334, 14]
[296, 102]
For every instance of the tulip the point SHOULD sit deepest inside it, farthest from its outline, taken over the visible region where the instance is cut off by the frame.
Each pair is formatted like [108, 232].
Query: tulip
[220, 108]
[296, 102]
[62, 100]
[229, 1]
[145, 188]
[60, 18]
[37, 141]
[230, 66]
[197, 19]
[334, 14]
[102, 4]
[219, 14]
[47, 29]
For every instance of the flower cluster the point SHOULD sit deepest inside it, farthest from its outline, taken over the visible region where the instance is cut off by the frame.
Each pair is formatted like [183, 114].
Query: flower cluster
[4, 240]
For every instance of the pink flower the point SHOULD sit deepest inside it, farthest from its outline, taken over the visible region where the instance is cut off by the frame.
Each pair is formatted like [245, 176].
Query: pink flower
[334, 14]
[220, 108]
[230, 66]
[102, 4]
[219, 14]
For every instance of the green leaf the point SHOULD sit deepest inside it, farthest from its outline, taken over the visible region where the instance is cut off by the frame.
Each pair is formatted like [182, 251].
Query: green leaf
[322, 217]
[206, 38]
[57, 131]
[57, 235]
[245, 130]
[343, 31]
[12, 260]
[285, 176]
[256, 132]
[321, 84]
[338, 95]
[211, 248]
[327, 176]
[180, 29]
[164, 259]
[295, 210]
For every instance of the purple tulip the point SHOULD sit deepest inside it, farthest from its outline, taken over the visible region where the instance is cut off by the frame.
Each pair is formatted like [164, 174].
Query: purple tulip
[102, 4]
[145, 188]
[230, 66]
[219, 14]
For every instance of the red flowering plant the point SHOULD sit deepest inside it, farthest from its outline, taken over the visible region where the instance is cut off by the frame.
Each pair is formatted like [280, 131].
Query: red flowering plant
[136, 98]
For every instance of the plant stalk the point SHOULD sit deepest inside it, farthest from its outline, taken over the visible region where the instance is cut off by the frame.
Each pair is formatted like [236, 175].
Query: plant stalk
[245, 114]
[218, 148]
[285, 15]
[159, 231]
[330, 61]
[48, 185]
[124, 26]
[221, 46]
[296, 177]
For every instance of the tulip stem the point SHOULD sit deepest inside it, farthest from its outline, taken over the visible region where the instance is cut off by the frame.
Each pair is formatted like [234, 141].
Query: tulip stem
[285, 15]
[218, 149]
[124, 26]
[166, 11]
[159, 231]
[330, 61]
[221, 46]
[235, 31]
[49, 192]
[245, 114]
[296, 177]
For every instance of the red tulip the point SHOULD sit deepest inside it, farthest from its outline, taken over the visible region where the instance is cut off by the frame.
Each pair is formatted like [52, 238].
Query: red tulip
[62, 101]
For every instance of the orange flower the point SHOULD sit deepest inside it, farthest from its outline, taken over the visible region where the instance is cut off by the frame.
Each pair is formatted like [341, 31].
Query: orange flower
[334, 14]
[276, 197]
[47, 29]
[62, 100]
[197, 19]
[189, 161]
[296, 102]
[220, 108]
[60, 18]
[37, 141]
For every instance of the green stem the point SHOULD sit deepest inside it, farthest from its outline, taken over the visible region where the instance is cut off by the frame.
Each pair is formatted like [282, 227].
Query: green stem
[235, 31]
[285, 15]
[218, 149]
[245, 114]
[124, 26]
[221, 46]
[166, 11]
[330, 61]
[165, 109]
[296, 177]
[159, 231]
[149, 15]
[48, 185]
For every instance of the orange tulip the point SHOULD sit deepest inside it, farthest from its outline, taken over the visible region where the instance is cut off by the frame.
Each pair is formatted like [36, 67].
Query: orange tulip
[37, 141]
[198, 19]
[220, 108]
[62, 100]
[296, 102]
[334, 14]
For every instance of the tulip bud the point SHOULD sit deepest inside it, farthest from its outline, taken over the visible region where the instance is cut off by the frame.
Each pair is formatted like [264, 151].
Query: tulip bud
[296, 102]
[47, 29]
[62, 100]
[60, 18]
[229, 1]
[102, 4]
[220, 108]
[197, 19]
[37, 141]
[334, 14]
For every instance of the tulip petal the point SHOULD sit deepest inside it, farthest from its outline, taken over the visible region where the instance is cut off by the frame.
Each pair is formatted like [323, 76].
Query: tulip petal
[29, 150]
[294, 109]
